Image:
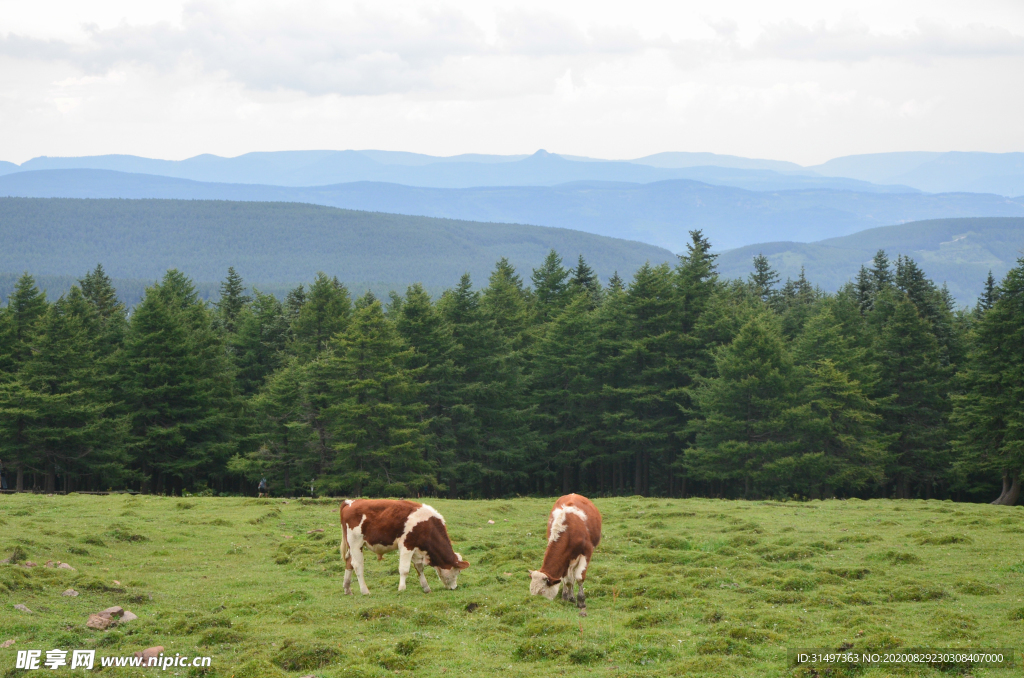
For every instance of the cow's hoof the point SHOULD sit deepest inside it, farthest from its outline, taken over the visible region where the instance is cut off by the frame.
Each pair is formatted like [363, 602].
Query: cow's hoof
[426, 589]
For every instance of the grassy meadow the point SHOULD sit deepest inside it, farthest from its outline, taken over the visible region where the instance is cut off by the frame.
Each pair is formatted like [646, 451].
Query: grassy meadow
[677, 587]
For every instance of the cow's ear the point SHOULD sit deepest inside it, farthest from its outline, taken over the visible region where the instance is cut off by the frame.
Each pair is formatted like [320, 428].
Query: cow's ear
[462, 564]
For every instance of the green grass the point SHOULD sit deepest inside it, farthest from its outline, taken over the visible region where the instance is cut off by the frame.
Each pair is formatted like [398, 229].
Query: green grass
[694, 587]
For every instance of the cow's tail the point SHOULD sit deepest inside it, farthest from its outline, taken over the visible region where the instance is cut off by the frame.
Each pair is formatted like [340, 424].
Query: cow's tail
[343, 548]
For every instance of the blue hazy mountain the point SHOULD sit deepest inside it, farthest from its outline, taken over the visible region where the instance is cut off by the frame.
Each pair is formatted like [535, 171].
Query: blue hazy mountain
[274, 245]
[659, 213]
[1000, 173]
[959, 252]
[320, 168]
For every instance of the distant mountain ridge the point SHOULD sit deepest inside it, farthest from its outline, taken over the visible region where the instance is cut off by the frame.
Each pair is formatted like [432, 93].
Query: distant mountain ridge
[933, 172]
[321, 168]
[659, 213]
[959, 252]
[274, 245]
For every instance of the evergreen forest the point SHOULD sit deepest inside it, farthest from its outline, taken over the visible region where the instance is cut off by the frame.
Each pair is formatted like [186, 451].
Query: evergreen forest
[677, 382]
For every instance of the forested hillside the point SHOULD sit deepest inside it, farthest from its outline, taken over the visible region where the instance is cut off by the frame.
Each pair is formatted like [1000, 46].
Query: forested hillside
[957, 252]
[658, 213]
[676, 382]
[278, 245]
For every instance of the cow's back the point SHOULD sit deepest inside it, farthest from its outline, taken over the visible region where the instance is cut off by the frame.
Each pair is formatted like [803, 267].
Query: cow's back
[592, 523]
[382, 520]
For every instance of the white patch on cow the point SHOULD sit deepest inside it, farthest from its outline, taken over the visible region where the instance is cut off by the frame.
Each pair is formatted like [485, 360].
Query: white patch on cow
[539, 585]
[558, 521]
[576, 568]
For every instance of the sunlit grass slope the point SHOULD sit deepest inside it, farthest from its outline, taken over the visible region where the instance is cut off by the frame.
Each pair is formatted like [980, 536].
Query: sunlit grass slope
[677, 587]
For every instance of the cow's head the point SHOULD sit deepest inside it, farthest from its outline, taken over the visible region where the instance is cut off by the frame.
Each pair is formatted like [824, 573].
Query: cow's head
[541, 585]
[450, 576]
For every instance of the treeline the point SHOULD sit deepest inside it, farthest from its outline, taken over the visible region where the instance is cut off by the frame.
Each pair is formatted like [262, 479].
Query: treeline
[676, 383]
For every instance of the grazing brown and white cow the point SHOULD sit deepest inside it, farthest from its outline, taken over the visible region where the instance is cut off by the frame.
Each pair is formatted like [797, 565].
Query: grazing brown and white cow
[416, 531]
[574, 530]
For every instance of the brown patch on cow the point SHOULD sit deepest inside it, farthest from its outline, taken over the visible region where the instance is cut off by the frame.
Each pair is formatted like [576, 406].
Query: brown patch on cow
[431, 537]
[580, 537]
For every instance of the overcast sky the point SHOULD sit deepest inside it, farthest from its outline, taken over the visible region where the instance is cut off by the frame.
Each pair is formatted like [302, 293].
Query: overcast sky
[800, 81]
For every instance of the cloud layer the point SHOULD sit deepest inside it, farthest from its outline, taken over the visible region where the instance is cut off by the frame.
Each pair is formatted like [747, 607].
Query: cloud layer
[406, 64]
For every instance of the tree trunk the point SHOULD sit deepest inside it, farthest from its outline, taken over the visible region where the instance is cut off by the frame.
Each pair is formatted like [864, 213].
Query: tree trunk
[1011, 490]
[566, 479]
[20, 482]
[638, 475]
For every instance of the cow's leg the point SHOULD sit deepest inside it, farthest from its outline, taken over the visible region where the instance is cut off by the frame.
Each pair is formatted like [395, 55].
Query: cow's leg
[404, 564]
[567, 588]
[418, 564]
[581, 575]
[346, 556]
[356, 554]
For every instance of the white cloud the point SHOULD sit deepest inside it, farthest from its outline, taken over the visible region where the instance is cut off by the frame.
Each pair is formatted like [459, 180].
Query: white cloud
[788, 81]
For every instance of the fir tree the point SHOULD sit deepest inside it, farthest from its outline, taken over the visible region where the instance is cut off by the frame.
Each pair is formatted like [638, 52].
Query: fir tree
[24, 310]
[880, 273]
[583, 280]
[178, 386]
[911, 395]
[550, 287]
[566, 394]
[376, 419]
[232, 300]
[988, 295]
[988, 417]
[433, 360]
[744, 428]
[763, 280]
[258, 343]
[324, 314]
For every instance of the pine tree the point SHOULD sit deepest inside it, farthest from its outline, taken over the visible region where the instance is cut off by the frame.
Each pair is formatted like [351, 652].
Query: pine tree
[99, 290]
[763, 280]
[910, 393]
[864, 289]
[288, 449]
[439, 378]
[324, 313]
[988, 295]
[567, 394]
[178, 386]
[294, 302]
[744, 427]
[505, 303]
[493, 422]
[583, 280]
[550, 288]
[836, 425]
[24, 308]
[71, 429]
[649, 360]
[259, 341]
[989, 419]
[375, 420]
[232, 300]
[880, 273]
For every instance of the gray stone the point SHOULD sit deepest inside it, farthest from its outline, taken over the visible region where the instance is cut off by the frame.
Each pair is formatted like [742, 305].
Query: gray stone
[70, 593]
[21, 608]
[128, 616]
[65, 566]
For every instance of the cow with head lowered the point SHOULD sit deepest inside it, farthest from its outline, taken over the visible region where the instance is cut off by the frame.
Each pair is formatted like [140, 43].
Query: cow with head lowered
[574, 530]
[415, 530]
